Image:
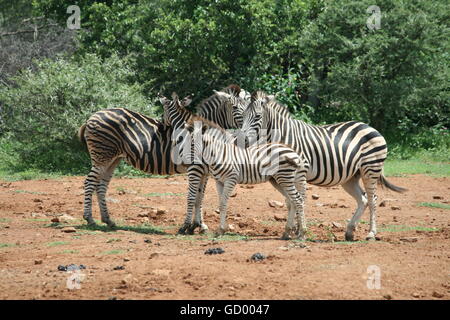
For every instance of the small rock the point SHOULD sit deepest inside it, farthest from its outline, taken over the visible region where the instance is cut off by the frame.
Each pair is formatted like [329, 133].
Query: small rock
[37, 200]
[315, 196]
[126, 259]
[247, 186]
[258, 257]
[231, 227]
[55, 220]
[147, 241]
[242, 224]
[68, 230]
[438, 197]
[284, 248]
[119, 268]
[336, 225]
[388, 297]
[416, 295]
[214, 251]
[39, 261]
[154, 255]
[217, 211]
[276, 204]
[161, 211]
[437, 294]
[344, 206]
[279, 217]
[143, 215]
[395, 208]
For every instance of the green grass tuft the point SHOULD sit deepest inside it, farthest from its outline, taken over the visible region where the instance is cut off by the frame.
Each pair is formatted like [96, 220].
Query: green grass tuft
[434, 205]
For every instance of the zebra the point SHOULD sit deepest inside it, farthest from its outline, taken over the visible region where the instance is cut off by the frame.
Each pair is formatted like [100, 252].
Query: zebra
[145, 143]
[338, 154]
[229, 164]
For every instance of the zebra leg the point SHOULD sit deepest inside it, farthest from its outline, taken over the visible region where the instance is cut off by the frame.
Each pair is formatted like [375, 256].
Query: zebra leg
[102, 188]
[301, 221]
[281, 187]
[198, 219]
[370, 184]
[227, 189]
[353, 188]
[90, 185]
[194, 178]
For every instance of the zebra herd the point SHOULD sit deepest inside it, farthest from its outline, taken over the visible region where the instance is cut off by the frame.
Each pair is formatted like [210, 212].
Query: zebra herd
[268, 145]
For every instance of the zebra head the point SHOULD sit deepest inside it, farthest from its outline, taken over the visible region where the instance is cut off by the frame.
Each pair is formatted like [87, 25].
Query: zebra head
[175, 113]
[253, 117]
[236, 100]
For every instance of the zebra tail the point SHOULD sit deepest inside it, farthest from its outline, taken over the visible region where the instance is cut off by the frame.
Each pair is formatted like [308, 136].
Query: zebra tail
[389, 185]
[81, 135]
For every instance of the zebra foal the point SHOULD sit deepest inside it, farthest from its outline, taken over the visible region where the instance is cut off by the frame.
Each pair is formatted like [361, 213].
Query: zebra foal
[215, 153]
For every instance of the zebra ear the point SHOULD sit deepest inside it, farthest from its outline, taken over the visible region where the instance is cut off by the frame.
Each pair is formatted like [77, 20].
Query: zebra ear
[189, 127]
[270, 97]
[222, 94]
[186, 101]
[162, 99]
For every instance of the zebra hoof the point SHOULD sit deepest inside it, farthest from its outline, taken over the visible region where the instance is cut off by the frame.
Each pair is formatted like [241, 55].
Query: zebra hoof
[349, 236]
[285, 236]
[183, 229]
[203, 229]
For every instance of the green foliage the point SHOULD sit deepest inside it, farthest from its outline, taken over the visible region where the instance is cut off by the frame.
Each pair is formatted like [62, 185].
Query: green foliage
[42, 113]
[395, 78]
[317, 56]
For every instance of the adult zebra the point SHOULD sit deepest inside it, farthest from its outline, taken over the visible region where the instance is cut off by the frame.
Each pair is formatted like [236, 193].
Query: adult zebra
[338, 154]
[145, 143]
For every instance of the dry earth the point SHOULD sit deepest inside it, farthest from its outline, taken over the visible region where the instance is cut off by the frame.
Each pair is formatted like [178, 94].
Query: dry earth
[145, 259]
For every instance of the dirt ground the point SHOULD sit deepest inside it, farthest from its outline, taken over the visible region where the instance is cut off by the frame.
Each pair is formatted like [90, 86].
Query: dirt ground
[145, 259]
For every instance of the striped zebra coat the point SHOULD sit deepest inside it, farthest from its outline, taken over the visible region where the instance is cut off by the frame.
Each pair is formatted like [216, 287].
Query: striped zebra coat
[215, 153]
[338, 154]
[145, 143]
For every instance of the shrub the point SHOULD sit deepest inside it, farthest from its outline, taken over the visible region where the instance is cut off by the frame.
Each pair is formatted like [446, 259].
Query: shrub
[42, 112]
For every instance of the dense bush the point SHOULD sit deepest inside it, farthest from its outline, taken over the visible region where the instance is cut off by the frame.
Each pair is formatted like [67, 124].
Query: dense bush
[318, 56]
[42, 112]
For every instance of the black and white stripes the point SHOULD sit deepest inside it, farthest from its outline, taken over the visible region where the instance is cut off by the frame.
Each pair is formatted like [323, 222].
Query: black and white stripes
[145, 143]
[338, 154]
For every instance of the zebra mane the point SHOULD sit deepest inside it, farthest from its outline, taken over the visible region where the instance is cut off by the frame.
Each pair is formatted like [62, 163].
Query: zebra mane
[209, 123]
[280, 109]
[233, 89]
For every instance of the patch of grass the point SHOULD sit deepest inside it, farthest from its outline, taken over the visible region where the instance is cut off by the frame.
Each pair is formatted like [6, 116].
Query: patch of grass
[5, 220]
[400, 167]
[401, 228]
[113, 240]
[144, 228]
[57, 243]
[113, 252]
[7, 245]
[30, 174]
[162, 194]
[351, 242]
[28, 192]
[69, 252]
[434, 205]
[37, 219]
